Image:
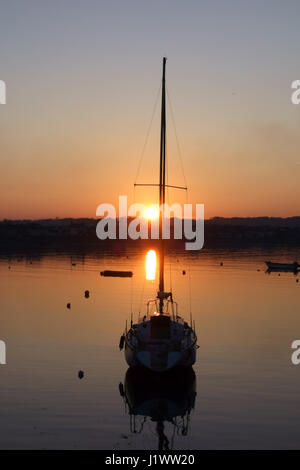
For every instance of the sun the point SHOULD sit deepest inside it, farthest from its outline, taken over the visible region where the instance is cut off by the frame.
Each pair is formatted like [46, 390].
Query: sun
[151, 213]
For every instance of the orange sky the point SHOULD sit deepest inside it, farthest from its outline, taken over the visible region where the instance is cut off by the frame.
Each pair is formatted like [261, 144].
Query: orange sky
[81, 85]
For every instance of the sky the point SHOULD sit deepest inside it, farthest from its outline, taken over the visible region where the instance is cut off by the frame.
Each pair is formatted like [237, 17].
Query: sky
[82, 79]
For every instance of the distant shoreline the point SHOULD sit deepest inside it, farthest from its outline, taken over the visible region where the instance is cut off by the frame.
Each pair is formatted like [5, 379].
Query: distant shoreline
[295, 220]
[80, 235]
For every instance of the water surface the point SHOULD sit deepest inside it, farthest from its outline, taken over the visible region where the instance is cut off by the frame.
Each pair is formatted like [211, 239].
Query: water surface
[247, 388]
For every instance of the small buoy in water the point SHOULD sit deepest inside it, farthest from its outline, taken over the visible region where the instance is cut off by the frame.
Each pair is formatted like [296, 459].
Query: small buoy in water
[73, 264]
[258, 270]
[8, 267]
[80, 374]
[86, 294]
[221, 264]
[183, 272]
[68, 305]
[297, 280]
[279, 274]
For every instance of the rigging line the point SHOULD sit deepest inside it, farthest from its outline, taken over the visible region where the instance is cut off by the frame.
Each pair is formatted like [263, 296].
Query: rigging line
[171, 287]
[147, 135]
[131, 297]
[142, 295]
[168, 200]
[189, 271]
[176, 136]
[167, 168]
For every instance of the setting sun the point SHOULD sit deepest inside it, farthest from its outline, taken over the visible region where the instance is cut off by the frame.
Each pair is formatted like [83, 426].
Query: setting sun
[151, 213]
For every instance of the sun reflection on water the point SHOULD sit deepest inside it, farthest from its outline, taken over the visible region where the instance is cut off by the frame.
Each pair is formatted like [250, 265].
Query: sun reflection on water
[150, 265]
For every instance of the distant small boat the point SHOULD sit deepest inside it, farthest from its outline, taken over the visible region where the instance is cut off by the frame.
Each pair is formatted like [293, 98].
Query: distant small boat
[283, 266]
[108, 273]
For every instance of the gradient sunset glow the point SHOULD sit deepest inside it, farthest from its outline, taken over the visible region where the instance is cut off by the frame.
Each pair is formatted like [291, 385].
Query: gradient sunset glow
[82, 79]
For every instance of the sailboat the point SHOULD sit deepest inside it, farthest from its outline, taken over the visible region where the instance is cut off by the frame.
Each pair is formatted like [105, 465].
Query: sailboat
[161, 340]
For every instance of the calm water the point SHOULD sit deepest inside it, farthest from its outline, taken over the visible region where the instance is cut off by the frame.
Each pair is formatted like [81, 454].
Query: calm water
[247, 388]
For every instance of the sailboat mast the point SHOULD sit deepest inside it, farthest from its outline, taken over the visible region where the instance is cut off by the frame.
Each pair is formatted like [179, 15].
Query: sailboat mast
[162, 183]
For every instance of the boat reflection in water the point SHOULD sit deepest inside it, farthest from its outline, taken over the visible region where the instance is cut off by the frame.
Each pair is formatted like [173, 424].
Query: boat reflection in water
[160, 398]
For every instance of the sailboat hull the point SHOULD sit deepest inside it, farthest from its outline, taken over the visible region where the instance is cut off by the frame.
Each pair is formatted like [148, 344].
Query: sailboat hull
[160, 362]
[160, 354]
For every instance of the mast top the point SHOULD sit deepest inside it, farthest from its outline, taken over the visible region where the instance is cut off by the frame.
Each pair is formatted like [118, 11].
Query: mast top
[164, 68]
[162, 186]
